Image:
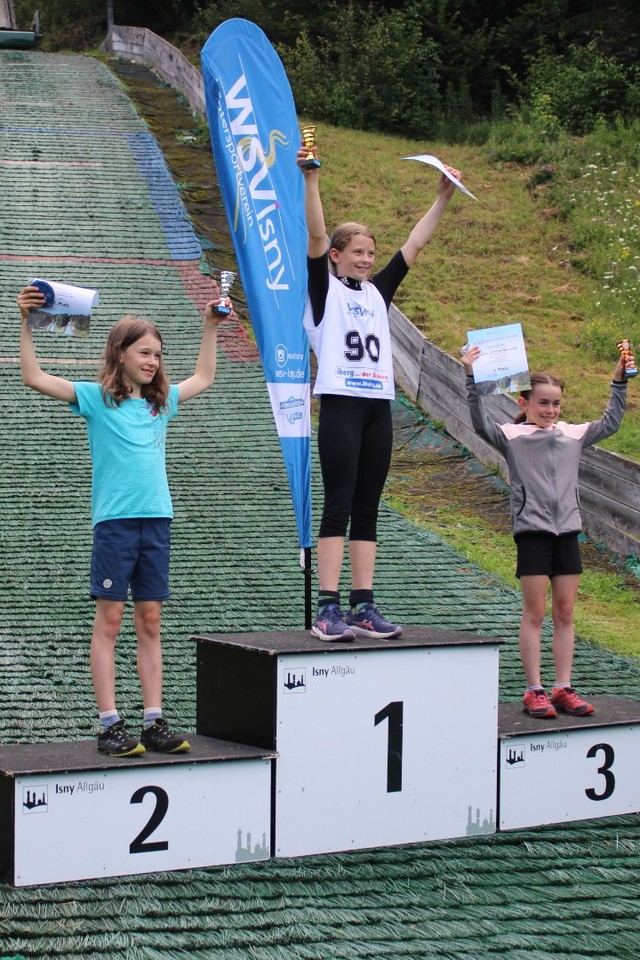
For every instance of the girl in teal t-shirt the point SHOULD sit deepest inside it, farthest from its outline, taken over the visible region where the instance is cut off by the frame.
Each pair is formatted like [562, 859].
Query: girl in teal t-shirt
[127, 413]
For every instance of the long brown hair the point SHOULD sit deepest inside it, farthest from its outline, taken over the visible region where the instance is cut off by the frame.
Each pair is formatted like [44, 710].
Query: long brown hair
[114, 387]
[343, 235]
[536, 379]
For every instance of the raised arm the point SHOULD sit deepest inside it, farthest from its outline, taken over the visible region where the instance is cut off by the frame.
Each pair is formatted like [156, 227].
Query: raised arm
[425, 228]
[205, 369]
[488, 429]
[32, 373]
[313, 208]
[609, 422]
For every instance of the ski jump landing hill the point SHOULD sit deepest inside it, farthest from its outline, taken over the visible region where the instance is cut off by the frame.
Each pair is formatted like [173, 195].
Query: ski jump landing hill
[87, 198]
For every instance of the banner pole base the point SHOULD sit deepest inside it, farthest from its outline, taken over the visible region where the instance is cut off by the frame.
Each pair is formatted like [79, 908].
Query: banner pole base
[308, 571]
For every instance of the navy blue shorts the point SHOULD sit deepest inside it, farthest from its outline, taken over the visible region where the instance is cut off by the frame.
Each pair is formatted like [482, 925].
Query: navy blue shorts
[131, 553]
[547, 554]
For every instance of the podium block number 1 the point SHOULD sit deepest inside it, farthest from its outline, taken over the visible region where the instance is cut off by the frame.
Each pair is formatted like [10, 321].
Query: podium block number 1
[393, 712]
[370, 755]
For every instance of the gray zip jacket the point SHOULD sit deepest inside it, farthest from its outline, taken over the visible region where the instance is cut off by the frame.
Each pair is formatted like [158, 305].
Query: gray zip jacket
[543, 463]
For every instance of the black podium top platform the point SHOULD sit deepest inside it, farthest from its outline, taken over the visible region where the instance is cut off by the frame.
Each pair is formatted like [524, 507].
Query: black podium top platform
[23, 759]
[609, 712]
[301, 641]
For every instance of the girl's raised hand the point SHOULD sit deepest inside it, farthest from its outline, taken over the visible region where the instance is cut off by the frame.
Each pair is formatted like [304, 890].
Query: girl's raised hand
[302, 154]
[211, 315]
[469, 357]
[30, 298]
[445, 186]
[210, 312]
[618, 374]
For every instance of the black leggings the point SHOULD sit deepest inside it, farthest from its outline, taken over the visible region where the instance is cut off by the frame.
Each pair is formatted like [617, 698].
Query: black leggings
[355, 437]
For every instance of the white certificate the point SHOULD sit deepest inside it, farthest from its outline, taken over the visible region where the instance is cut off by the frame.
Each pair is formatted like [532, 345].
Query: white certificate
[67, 308]
[439, 165]
[502, 366]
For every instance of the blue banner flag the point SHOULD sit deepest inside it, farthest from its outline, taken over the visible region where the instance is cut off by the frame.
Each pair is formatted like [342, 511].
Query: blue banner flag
[255, 138]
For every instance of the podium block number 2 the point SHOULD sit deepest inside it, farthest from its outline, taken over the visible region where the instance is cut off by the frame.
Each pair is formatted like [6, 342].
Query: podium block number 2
[140, 844]
[393, 712]
[609, 779]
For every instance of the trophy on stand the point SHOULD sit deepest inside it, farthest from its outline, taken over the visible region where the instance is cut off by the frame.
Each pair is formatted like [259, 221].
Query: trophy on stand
[630, 366]
[309, 140]
[226, 279]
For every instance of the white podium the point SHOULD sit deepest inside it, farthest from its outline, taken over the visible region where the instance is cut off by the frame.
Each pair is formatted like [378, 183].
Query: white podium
[570, 768]
[71, 813]
[373, 746]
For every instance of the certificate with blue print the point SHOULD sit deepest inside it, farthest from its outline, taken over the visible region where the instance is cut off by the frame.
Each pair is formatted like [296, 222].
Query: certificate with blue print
[502, 366]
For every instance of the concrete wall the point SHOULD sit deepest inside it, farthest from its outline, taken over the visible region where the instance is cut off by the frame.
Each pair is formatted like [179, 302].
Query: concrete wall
[609, 484]
[141, 44]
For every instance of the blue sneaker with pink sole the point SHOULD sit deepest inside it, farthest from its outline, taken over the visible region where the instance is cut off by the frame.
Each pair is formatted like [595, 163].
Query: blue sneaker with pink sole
[369, 622]
[330, 624]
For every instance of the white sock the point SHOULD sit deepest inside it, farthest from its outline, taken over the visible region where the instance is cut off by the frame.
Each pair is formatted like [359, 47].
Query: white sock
[151, 714]
[108, 718]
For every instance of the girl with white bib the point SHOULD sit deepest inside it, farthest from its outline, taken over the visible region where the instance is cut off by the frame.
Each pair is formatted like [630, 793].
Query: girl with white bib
[346, 318]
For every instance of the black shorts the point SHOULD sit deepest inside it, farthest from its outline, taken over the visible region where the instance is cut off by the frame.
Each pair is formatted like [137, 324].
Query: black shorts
[547, 554]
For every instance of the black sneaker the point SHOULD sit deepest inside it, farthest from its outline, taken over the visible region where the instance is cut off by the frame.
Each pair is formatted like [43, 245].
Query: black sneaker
[159, 736]
[118, 742]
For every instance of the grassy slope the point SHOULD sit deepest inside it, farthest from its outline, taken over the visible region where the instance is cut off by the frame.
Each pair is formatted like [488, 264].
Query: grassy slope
[500, 260]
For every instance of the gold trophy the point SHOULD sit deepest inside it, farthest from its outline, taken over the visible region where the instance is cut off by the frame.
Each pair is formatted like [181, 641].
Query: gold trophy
[226, 280]
[309, 140]
[630, 366]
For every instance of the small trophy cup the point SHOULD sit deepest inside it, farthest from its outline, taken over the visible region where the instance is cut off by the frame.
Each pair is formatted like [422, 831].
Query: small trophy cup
[226, 279]
[309, 140]
[630, 366]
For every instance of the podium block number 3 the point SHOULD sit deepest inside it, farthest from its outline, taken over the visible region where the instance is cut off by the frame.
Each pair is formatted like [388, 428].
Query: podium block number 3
[605, 770]
[393, 712]
[140, 844]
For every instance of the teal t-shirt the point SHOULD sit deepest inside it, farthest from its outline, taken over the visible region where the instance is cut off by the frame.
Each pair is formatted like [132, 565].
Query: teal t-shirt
[127, 445]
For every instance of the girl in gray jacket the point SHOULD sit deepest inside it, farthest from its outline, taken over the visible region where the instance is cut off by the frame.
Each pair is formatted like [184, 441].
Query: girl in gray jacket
[543, 456]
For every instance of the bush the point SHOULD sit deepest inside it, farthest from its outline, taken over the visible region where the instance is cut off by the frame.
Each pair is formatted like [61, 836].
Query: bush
[372, 72]
[582, 87]
[526, 139]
